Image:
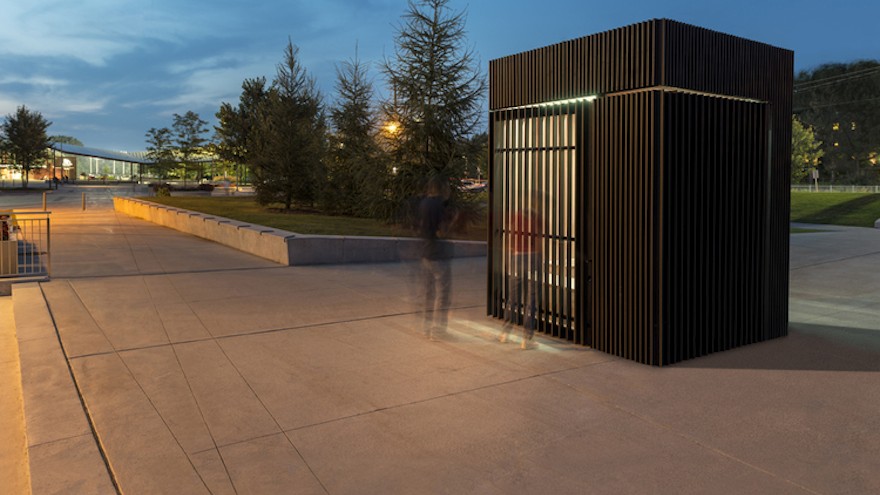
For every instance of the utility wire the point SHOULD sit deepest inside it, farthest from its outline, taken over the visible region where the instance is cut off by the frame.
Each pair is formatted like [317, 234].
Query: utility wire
[839, 76]
[832, 80]
[833, 103]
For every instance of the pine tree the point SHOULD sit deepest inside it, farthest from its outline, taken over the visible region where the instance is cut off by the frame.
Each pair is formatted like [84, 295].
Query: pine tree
[356, 176]
[235, 136]
[436, 96]
[289, 137]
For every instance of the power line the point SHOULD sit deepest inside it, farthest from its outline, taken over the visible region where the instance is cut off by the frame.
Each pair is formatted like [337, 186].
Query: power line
[832, 80]
[833, 103]
[838, 76]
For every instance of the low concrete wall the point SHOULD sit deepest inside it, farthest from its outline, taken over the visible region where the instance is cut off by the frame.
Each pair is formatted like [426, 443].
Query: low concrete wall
[260, 241]
[285, 247]
[326, 249]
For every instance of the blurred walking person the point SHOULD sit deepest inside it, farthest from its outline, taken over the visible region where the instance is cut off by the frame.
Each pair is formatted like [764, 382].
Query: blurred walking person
[526, 234]
[436, 270]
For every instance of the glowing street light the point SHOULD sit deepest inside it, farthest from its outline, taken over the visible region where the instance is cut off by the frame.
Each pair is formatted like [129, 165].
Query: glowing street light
[392, 127]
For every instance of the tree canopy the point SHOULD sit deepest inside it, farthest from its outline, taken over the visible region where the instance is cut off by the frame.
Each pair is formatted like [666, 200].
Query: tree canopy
[188, 134]
[235, 130]
[160, 150]
[805, 151]
[65, 140]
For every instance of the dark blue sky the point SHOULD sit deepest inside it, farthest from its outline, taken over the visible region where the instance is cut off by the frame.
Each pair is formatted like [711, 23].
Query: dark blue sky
[105, 71]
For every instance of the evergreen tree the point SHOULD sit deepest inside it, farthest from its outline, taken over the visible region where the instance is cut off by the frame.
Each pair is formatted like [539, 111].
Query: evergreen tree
[25, 139]
[476, 156]
[235, 136]
[289, 139]
[355, 175]
[437, 91]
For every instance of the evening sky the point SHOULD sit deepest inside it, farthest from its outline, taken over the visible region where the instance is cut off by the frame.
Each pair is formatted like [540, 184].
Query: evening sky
[105, 71]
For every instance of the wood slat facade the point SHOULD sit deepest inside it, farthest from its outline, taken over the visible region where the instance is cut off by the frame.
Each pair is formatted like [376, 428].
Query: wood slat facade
[657, 157]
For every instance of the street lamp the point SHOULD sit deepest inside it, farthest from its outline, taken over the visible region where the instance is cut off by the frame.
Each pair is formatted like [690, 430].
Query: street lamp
[392, 127]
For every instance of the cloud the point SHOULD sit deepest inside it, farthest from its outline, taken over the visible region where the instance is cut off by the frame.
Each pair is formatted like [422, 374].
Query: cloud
[105, 70]
[49, 96]
[93, 31]
[45, 81]
[55, 105]
[8, 106]
[209, 81]
[206, 87]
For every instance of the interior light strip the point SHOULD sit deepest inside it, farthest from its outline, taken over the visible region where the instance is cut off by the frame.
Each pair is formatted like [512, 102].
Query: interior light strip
[566, 102]
[554, 103]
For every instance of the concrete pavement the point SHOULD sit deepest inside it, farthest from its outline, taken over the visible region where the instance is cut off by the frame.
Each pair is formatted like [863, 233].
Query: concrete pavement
[13, 441]
[202, 369]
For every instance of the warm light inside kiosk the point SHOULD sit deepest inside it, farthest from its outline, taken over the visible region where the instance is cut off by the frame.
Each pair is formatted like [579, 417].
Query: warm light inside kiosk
[535, 151]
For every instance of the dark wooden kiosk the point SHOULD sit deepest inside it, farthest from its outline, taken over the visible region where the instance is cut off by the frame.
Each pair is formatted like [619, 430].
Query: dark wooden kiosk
[657, 156]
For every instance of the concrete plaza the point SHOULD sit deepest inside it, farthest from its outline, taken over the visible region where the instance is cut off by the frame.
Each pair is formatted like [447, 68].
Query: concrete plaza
[157, 362]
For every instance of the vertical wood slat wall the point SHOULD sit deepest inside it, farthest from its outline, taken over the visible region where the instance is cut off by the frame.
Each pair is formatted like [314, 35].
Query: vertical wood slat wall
[713, 62]
[680, 200]
[607, 62]
[623, 202]
[715, 159]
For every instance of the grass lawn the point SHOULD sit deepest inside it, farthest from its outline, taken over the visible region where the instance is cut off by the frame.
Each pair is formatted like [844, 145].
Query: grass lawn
[246, 209]
[854, 209]
[798, 230]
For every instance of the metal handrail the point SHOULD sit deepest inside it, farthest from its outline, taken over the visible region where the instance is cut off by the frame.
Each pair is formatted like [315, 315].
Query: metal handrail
[25, 244]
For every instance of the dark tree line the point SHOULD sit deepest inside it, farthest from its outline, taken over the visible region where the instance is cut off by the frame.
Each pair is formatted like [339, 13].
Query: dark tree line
[840, 102]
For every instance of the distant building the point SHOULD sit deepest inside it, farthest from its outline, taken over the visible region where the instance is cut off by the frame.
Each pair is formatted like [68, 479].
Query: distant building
[84, 163]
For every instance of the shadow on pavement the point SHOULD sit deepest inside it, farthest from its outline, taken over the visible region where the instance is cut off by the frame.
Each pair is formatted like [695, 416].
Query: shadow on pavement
[808, 347]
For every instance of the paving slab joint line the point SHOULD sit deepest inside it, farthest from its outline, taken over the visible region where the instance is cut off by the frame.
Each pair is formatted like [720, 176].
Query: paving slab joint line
[275, 420]
[82, 401]
[542, 374]
[684, 435]
[214, 338]
[837, 260]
